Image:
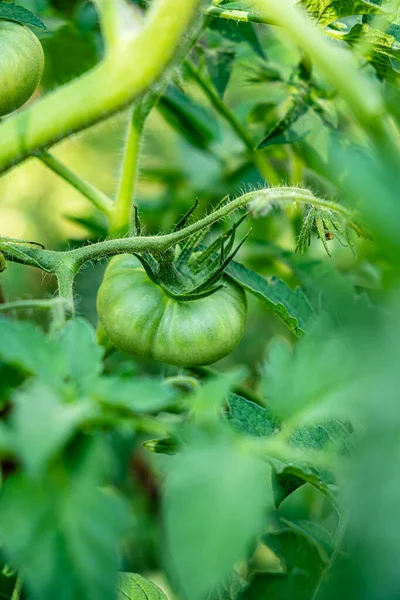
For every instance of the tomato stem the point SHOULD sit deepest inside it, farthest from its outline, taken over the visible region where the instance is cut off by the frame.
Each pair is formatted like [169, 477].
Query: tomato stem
[122, 215]
[94, 195]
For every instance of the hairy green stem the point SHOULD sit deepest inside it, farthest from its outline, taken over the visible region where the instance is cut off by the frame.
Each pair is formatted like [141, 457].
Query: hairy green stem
[96, 196]
[68, 263]
[122, 217]
[136, 62]
[223, 109]
[65, 277]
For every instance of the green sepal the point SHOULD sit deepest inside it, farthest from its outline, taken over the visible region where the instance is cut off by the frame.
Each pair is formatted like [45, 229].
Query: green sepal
[183, 221]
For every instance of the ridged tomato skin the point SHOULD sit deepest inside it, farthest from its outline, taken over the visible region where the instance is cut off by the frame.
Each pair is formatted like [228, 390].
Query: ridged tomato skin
[141, 319]
[21, 65]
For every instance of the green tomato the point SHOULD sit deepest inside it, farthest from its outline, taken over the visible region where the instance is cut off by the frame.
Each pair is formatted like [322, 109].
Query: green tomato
[140, 318]
[21, 65]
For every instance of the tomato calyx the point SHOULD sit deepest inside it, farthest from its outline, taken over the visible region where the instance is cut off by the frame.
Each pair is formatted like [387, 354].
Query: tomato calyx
[191, 270]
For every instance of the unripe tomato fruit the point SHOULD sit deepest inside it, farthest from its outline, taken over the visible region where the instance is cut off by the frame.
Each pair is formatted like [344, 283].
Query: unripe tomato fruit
[21, 65]
[140, 318]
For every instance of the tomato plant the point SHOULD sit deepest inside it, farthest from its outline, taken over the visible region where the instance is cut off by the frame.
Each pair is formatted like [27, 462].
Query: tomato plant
[199, 397]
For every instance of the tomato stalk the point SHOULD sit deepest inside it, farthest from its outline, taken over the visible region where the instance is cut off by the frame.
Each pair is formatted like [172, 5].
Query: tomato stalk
[122, 217]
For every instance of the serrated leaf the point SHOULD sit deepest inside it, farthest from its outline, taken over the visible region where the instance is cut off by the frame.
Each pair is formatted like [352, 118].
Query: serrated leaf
[326, 12]
[287, 478]
[215, 501]
[247, 417]
[289, 305]
[43, 422]
[13, 12]
[82, 354]
[142, 394]
[293, 390]
[131, 586]
[379, 49]
[57, 528]
[25, 347]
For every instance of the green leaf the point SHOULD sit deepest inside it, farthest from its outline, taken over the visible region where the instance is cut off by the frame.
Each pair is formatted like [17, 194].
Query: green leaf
[215, 501]
[57, 529]
[315, 534]
[294, 125]
[284, 484]
[13, 12]
[379, 48]
[294, 391]
[303, 570]
[7, 441]
[43, 422]
[83, 355]
[131, 586]
[289, 305]
[288, 477]
[209, 398]
[219, 65]
[250, 418]
[328, 11]
[238, 32]
[188, 118]
[25, 347]
[142, 394]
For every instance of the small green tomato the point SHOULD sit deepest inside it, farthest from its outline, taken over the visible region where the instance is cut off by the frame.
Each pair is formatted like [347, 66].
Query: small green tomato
[21, 65]
[140, 318]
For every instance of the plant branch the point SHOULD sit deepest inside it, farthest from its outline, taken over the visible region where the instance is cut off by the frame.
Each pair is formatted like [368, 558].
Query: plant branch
[223, 109]
[122, 217]
[136, 63]
[94, 195]
[70, 262]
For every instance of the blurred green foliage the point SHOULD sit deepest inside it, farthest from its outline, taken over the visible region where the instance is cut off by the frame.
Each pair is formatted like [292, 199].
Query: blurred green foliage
[275, 480]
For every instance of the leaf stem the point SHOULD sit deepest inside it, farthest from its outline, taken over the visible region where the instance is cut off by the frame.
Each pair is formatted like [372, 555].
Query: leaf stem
[94, 195]
[16, 595]
[223, 109]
